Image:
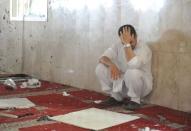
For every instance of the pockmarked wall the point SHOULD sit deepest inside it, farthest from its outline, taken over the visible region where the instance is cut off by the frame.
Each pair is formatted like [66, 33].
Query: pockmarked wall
[10, 41]
[66, 48]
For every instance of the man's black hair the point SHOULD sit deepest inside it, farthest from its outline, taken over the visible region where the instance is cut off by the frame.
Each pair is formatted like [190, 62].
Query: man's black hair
[132, 30]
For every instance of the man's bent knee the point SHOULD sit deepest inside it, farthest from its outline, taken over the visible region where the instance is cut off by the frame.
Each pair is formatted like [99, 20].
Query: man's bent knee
[100, 70]
[133, 73]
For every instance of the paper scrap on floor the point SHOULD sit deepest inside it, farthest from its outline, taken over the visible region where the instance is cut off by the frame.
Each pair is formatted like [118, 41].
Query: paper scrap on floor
[15, 103]
[94, 119]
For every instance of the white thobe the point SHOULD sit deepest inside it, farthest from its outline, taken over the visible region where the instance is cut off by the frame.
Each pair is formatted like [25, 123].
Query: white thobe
[136, 73]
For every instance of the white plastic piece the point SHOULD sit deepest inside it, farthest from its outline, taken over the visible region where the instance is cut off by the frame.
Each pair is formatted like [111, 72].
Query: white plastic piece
[65, 93]
[9, 82]
[23, 85]
[97, 101]
[31, 83]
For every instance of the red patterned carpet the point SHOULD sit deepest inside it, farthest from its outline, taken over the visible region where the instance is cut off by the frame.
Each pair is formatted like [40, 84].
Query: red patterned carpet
[54, 103]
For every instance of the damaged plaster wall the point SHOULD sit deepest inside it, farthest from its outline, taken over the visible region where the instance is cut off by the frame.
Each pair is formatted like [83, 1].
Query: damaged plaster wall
[67, 47]
[10, 41]
[172, 57]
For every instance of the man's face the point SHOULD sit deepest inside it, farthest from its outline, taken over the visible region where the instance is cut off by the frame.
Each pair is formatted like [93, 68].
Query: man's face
[133, 42]
[127, 36]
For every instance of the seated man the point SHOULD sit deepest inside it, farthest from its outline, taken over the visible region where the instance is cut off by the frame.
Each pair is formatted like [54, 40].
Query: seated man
[124, 69]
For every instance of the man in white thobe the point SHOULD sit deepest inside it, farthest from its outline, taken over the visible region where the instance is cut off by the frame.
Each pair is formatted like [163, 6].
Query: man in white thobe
[124, 69]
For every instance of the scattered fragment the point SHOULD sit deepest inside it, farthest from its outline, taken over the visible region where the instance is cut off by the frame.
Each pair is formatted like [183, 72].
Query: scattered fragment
[65, 93]
[97, 101]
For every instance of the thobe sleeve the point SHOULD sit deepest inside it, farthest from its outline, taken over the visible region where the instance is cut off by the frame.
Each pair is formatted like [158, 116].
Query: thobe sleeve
[111, 52]
[142, 57]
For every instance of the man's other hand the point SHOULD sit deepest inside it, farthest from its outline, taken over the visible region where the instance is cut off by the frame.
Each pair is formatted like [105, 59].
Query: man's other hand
[115, 72]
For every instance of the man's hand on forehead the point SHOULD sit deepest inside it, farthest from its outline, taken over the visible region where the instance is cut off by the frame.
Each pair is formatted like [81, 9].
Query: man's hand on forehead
[125, 35]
